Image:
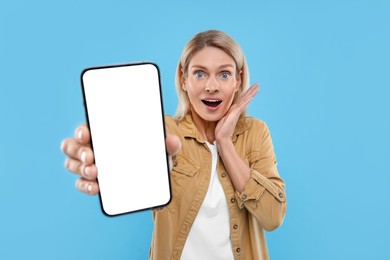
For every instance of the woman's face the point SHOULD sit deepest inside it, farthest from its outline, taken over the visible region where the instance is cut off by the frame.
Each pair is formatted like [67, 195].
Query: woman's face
[211, 83]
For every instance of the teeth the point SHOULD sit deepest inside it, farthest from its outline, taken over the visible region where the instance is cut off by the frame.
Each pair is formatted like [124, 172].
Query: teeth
[212, 100]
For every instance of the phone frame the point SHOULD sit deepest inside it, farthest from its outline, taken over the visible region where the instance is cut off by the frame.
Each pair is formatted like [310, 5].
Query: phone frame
[163, 121]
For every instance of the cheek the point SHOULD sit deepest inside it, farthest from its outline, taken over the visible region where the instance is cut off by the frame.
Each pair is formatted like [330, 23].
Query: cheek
[191, 92]
[234, 87]
[193, 87]
[237, 85]
[230, 99]
[232, 92]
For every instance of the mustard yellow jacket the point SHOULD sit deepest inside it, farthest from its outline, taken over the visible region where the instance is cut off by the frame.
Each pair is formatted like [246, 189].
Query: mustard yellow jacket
[260, 206]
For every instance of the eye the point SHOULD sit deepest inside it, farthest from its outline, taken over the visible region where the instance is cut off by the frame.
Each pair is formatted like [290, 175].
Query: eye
[199, 74]
[225, 75]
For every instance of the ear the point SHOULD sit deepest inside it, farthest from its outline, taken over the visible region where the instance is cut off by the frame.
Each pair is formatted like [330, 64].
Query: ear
[239, 80]
[183, 81]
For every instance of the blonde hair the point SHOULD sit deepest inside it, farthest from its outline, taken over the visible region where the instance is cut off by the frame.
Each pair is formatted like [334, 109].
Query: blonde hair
[211, 38]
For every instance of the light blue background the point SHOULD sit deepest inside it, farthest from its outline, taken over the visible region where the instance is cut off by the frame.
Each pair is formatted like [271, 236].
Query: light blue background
[324, 70]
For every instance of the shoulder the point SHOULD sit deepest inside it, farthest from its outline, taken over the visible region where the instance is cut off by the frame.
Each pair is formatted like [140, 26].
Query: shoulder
[172, 126]
[256, 137]
[251, 125]
[169, 120]
[170, 123]
[251, 130]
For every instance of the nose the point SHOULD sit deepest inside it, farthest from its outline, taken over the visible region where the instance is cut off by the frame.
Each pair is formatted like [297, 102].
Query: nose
[212, 85]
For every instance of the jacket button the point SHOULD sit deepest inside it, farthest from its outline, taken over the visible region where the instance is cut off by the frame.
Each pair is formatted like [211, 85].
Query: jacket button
[281, 195]
[175, 164]
[243, 196]
[238, 250]
[232, 200]
[235, 226]
[223, 175]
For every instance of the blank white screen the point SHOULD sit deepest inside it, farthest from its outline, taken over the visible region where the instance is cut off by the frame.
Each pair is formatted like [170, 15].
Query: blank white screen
[126, 123]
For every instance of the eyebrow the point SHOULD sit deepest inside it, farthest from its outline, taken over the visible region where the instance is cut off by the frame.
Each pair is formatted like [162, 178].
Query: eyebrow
[220, 67]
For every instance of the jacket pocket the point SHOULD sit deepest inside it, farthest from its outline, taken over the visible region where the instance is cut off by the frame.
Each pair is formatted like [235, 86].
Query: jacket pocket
[182, 173]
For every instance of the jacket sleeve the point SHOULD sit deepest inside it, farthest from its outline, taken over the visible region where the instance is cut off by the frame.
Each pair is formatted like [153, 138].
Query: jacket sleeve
[264, 194]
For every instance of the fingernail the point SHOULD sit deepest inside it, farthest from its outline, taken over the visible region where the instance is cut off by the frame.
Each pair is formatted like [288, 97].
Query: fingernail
[63, 146]
[89, 188]
[86, 172]
[79, 134]
[83, 156]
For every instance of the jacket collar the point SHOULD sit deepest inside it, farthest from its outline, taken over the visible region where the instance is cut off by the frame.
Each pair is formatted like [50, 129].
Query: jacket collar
[189, 129]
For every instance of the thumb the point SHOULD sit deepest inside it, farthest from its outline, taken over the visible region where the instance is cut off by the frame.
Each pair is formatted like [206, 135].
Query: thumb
[173, 144]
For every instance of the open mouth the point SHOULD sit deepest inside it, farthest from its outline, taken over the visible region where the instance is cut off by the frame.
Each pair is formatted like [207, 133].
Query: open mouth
[212, 102]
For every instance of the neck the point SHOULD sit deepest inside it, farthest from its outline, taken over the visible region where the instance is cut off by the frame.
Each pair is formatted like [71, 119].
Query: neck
[205, 128]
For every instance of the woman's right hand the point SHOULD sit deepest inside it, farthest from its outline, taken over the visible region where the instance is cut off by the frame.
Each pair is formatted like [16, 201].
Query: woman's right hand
[80, 158]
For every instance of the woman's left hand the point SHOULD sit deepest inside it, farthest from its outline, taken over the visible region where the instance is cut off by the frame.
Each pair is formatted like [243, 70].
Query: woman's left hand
[226, 125]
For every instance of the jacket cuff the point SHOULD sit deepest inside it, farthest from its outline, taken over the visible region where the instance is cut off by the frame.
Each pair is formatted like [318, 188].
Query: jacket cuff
[255, 187]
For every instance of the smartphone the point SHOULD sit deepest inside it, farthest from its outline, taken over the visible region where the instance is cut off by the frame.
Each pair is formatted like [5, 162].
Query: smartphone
[125, 116]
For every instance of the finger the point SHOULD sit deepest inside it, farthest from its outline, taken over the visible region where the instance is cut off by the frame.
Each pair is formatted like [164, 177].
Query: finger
[173, 144]
[91, 172]
[86, 155]
[71, 147]
[252, 91]
[86, 186]
[83, 135]
[248, 95]
[77, 151]
[249, 92]
[75, 166]
[256, 85]
[245, 101]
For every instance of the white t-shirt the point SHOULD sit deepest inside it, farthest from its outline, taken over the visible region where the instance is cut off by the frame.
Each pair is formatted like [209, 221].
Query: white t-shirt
[209, 237]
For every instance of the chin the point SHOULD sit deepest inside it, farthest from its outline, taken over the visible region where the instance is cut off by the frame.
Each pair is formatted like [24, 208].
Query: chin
[211, 118]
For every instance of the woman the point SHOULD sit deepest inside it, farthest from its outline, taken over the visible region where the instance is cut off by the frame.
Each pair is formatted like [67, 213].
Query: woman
[225, 186]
